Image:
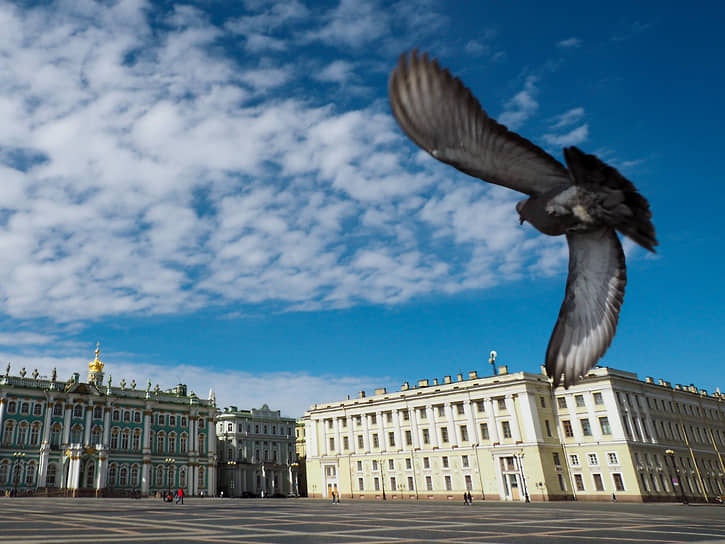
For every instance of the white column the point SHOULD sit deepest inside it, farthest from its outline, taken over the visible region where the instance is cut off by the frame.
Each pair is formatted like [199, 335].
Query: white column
[338, 438]
[492, 424]
[43, 464]
[46, 418]
[414, 428]
[3, 400]
[366, 434]
[107, 425]
[530, 416]
[102, 475]
[511, 408]
[452, 427]
[66, 423]
[399, 442]
[89, 421]
[472, 430]
[430, 413]
[311, 426]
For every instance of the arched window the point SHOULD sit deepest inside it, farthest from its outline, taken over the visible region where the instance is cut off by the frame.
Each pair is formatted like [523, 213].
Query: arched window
[182, 477]
[58, 409]
[202, 442]
[159, 476]
[160, 438]
[4, 472]
[75, 434]
[127, 416]
[78, 410]
[172, 442]
[50, 478]
[112, 471]
[8, 433]
[116, 415]
[96, 435]
[98, 412]
[25, 408]
[22, 434]
[134, 476]
[55, 432]
[201, 478]
[172, 477]
[114, 438]
[35, 434]
[136, 446]
[12, 407]
[30, 472]
[152, 441]
[37, 409]
[125, 439]
[137, 417]
[123, 477]
[183, 440]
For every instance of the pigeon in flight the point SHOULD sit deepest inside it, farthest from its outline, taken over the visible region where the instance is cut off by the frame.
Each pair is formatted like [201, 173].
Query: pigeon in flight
[587, 201]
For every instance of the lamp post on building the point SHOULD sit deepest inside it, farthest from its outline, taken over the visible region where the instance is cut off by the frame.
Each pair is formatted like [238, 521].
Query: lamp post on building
[678, 479]
[169, 461]
[492, 361]
[19, 457]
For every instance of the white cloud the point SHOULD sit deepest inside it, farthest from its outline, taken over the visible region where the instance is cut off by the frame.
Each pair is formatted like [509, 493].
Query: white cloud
[568, 118]
[573, 137]
[569, 43]
[522, 106]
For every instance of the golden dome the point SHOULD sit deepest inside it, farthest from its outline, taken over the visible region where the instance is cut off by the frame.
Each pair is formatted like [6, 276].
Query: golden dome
[96, 365]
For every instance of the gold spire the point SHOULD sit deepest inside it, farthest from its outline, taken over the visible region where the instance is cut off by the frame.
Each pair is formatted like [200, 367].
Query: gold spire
[96, 365]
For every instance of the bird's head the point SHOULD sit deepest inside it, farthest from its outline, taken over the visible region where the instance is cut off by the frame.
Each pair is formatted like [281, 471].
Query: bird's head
[520, 205]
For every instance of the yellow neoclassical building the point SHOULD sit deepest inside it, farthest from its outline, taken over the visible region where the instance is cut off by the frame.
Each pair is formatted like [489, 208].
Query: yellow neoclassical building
[511, 437]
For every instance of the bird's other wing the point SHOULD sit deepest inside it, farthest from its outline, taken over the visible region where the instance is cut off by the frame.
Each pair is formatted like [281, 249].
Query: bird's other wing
[590, 311]
[443, 117]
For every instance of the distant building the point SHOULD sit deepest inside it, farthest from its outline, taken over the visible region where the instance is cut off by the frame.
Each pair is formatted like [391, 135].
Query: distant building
[94, 439]
[256, 453]
[511, 437]
[301, 456]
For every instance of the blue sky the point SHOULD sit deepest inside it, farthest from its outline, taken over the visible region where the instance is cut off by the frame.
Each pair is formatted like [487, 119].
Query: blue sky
[218, 193]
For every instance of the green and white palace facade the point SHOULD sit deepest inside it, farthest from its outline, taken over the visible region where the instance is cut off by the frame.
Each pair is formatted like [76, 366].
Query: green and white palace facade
[76, 438]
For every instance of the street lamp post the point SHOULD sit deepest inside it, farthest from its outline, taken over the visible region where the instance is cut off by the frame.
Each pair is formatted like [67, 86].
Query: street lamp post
[382, 479]
[169, 463]
[19, 457]
[523, 477]
[678, 479]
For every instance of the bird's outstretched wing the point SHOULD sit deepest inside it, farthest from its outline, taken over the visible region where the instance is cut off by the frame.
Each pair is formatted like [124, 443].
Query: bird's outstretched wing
[443, 117]
[590, 311]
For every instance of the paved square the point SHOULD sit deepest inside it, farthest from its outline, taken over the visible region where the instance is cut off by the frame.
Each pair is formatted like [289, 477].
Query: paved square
[293, 521]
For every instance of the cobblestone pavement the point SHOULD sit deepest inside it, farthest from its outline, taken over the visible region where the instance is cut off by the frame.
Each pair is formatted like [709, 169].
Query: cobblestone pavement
[301, 521]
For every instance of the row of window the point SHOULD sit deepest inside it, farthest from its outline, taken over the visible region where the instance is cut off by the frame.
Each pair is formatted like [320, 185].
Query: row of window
[283, 430]
[684, 408]
[579, 401]
[586, 427]
[395, 485]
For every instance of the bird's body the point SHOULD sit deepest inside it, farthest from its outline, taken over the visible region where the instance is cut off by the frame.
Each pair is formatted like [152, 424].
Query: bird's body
[587, 201]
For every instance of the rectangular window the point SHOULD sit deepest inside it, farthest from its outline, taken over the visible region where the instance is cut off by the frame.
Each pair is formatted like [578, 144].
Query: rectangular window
[561, 402]
[376, 483]
[464, 461]
[329, 423]
[501, 403]
[618, 482]
[469, 482]
[343, 422]
[391, 439]
[426, 436]
[484, 431]
[542, 400]
[506, 429]
[562, 483]
[422, 414]
[579, 481]
[389, 417]
[406, 415]
[360, 441]
[598, 484]
[375, 465]
[598, 400]
[449, 485]
[345, 443]
[410, 483]
[604, 425]
[459, 409]
[408, 463]
[393, 485]
[612, 458]
[444, 435]
[579, 401]
[332, 443]
[548, 427]
[574, 459]
[441, 410]
[359, 466]
[464, 433]
[568, 431]
[429, 483]
[408, 438]
[592, 459]
[373, 419]
[480, 407]
[391, 464]
[426, 462]
[444, 461]
[361, 484]
[557, 459]
[586, 428]
[376, 441]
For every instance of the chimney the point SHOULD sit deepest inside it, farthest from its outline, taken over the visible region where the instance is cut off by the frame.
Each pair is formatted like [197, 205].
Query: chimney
[503, 369]
[361, 394]
[422, 383]
[405, 386]
[446, 379]
[472, 375]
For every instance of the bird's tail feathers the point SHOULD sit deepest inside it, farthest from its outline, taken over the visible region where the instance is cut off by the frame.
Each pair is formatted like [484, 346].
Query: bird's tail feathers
[625, 207]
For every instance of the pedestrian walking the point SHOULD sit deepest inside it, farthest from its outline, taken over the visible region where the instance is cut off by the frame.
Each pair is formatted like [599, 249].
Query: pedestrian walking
[465, 498]
[180, 496]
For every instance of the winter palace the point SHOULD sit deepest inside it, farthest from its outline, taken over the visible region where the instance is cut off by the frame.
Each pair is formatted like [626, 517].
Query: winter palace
[76, 438]
[511, 437]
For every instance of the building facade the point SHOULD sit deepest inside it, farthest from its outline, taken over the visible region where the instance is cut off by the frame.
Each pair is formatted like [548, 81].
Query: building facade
[87, 438]
[511, 437]
[257, 456]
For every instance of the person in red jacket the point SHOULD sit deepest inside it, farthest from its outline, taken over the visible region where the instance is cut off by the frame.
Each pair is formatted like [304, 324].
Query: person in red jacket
[180, 496]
